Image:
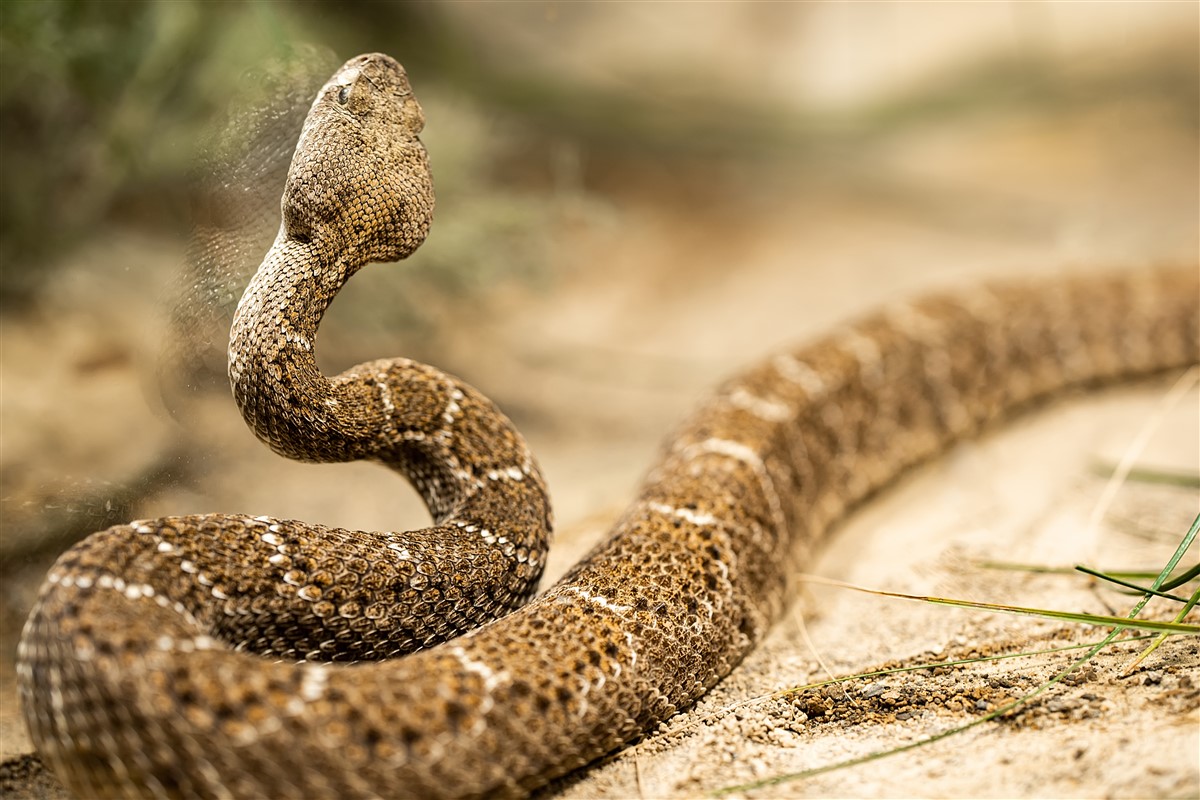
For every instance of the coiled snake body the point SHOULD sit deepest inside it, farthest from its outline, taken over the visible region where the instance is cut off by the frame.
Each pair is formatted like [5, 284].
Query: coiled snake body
[197, 656]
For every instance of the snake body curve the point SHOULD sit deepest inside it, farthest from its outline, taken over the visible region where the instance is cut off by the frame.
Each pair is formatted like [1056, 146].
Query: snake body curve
[196, 656]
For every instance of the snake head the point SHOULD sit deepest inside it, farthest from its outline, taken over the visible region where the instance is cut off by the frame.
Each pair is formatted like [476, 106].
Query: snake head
[359, 186]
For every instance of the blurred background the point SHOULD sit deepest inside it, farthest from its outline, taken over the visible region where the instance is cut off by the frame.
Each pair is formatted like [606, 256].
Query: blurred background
[633, 200]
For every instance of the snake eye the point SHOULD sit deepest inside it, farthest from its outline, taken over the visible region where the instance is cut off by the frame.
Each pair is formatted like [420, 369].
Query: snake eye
[343, 94]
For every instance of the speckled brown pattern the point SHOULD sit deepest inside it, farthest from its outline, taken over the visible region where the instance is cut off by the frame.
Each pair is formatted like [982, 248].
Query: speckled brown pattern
[163, 656]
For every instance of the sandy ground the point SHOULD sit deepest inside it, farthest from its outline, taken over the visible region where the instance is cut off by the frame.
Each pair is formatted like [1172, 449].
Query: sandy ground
[674, 275]
[1100, 733]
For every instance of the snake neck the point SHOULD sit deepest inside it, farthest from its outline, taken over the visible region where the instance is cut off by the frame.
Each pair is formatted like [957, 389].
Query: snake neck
[273, 371]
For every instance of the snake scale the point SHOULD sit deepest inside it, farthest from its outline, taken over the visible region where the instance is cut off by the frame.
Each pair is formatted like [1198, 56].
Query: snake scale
[239, 656]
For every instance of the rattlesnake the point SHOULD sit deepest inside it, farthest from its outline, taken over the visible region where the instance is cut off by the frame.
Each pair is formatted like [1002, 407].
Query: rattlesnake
[195, 656]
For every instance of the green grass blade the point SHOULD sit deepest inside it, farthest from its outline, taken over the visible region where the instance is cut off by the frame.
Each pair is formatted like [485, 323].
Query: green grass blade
[1125, 574]
[1104, 620]
[1187, 480]
[1182, 578]
[1123, 622]
[1127, 584]
[1162, 637]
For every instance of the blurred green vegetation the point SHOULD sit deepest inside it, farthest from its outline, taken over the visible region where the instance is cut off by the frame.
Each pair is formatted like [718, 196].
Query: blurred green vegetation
[105, 106]
[102, 105]
[108, 110]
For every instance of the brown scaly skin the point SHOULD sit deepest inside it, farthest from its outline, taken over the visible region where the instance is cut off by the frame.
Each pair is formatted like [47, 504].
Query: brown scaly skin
[142, 667]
